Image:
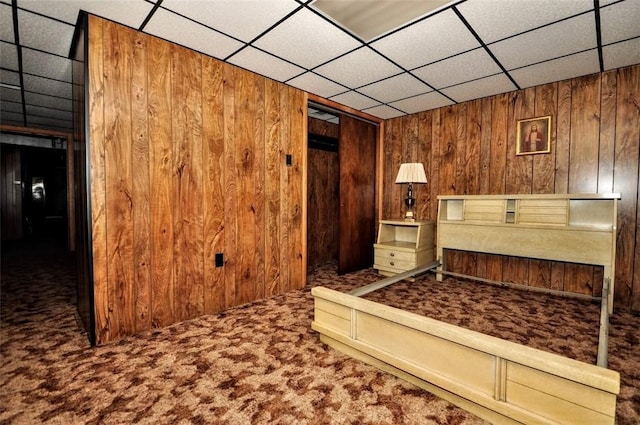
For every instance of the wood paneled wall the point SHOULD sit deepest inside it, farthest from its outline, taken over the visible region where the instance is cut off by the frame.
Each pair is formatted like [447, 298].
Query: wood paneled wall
[323, 181]
[187, 159]
[469, 148]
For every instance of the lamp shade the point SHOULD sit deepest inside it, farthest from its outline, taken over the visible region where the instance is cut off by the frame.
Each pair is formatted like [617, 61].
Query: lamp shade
[411, 172]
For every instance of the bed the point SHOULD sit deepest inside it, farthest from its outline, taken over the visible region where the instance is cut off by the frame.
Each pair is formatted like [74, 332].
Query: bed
[498, 380]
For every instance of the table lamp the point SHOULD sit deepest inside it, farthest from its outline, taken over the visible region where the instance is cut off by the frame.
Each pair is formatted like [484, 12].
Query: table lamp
[412, 173]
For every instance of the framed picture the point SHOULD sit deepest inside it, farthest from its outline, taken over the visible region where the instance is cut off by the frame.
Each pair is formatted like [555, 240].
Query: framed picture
[533, 136]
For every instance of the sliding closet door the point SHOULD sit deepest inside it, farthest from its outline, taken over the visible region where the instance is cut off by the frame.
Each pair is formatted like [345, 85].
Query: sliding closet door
[357, 157]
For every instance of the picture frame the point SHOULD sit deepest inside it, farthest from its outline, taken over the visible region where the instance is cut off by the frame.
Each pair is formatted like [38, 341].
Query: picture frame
[538, 129]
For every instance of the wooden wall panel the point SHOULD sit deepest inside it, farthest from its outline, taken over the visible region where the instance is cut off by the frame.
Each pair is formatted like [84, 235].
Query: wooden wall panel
[595, 139]
[141, 187]
[213, 180]
[97, 190]
[160, 177]
[187, 160]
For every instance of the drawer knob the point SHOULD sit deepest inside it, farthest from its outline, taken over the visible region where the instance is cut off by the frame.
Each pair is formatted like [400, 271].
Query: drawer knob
[391, 263]
[392, 254]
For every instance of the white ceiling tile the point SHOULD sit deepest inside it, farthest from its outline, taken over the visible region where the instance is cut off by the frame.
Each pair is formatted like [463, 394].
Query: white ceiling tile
[438, 36]
[620, 21]
[45, 65]
[494, 20]
[458, 69]
[316, 84]
[423, 102]
[230, 16]
[6, 24]
[395, 88]
[558, 69]
[45, 34]
[43, 85]
[265, 64]
[187, 33]
[480, 88]
[385, 112]
[10, 116]
[307, 39]
[358, 68]
[10, 95]
[48, 112]
[9, 55]
[12, 107]
[563, 38]
[355, 100]
[48, 101]
[9, 77]
[49, 122]
[127, 12]
[621, 54]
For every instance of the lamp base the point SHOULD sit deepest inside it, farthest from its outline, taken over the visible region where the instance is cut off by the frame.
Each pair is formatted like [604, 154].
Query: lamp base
[408, 216]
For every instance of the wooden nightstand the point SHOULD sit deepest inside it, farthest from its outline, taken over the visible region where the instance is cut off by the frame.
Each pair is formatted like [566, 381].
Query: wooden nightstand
[403, 245]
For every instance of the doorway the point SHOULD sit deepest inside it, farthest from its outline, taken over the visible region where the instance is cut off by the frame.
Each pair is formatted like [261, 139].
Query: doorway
[342, 189]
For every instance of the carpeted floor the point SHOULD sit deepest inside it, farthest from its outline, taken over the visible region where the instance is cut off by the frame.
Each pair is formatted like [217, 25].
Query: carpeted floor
[256, 364]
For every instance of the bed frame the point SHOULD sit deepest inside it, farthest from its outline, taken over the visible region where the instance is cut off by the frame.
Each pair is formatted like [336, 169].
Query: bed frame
[497, 380]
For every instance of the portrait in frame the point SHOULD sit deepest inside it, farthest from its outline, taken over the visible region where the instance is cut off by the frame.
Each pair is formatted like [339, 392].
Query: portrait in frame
[533, 136]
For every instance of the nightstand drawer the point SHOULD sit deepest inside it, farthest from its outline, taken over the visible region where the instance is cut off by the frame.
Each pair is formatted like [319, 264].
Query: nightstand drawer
[392, 254]
[392, 263]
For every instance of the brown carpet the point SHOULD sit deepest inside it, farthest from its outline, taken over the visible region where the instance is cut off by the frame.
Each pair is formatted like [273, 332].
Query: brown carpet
[256, 364]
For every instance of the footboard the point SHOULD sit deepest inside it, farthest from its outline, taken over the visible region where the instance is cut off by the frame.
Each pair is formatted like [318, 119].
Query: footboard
[497, 380]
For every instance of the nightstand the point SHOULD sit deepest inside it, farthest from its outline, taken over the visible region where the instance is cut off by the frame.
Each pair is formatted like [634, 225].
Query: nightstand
[403, 245]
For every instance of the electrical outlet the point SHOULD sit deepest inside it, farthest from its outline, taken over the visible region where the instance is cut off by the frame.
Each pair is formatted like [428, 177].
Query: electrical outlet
[289, 160]
[219, 260]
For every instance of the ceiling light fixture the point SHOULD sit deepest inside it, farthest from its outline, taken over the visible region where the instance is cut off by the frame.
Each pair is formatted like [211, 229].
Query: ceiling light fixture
[372, 18]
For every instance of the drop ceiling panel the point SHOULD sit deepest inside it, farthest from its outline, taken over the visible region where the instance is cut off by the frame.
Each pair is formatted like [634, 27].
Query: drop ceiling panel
[9, 55]
[483, 87]
[496, 19]
[383, 111]
[621, 54]
[558, 69]
[564, 38]
[438, 37]
[10, 95]
[46, 65]
[44, 122]
[358, 68]
[11, 107]
[9, 77]
[355, 100]
[6, 24]
[458, 69]
[620, 21]
[265, 64]
[45, 86]
[190, 34]
[395, 88]
[127, 12]
[45, 34]
[230, 16]
[422, 102]
[48, 112]
[48, 101]
[307, 39]
[12, 116]
[317, 85]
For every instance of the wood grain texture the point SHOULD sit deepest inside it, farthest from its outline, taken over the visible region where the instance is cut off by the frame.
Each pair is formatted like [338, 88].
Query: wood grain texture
[594, 148]
[273, 162]
[161, 194]
[322, 218]
[96, 170]
[213, 181]
[141, 184]
[187, 162]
